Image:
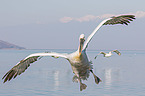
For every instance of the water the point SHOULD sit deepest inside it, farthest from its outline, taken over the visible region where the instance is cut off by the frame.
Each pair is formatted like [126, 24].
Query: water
[121, 75]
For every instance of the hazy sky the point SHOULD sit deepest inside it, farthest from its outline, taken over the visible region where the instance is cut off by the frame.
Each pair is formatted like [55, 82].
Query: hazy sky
[57, 24]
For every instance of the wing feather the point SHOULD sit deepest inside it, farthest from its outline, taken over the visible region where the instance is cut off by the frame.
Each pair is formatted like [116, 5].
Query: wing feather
[99, 54]
[116, 51]
[123, 19]
[103, 53]
[21, 66]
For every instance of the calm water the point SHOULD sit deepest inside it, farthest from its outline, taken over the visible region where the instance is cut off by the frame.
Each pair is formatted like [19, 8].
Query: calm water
[121, 75]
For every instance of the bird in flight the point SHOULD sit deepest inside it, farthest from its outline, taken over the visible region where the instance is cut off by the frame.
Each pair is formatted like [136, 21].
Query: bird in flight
[78, 60]
[108, 54]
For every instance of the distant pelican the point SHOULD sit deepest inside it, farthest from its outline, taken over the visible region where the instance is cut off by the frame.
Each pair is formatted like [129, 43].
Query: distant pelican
[109, 54]
[80, 64]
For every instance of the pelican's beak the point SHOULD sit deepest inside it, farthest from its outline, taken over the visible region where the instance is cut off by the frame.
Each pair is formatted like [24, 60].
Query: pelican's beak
[81, 45]
[82, 40]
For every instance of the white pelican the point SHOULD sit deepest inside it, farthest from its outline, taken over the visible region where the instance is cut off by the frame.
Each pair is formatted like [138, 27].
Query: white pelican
[80, 64]
[109, 54]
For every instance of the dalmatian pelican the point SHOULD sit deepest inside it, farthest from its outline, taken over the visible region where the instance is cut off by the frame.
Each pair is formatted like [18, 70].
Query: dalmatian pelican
[108, 54]
[78, 60]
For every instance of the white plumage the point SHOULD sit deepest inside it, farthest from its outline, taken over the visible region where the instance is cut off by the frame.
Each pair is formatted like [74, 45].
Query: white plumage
[80, 64]
[109, 54]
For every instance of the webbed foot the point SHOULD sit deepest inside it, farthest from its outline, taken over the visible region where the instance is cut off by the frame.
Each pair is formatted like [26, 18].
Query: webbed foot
[83, 86]
[97, 79]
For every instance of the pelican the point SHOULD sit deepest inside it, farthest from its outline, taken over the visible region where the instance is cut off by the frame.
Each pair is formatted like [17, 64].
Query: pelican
[78, 60]
[108, 54]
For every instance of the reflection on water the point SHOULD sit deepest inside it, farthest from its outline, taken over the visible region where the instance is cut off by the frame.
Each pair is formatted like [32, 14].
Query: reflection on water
[56, 80]
[111, 75]
[108, 78]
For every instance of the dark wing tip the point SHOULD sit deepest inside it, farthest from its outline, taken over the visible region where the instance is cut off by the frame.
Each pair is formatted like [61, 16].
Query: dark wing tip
[19, 68]
[9, 75]
[116, 51]
[123, 19]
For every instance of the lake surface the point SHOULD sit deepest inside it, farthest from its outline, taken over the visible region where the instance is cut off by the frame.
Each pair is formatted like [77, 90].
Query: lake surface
[121, 75]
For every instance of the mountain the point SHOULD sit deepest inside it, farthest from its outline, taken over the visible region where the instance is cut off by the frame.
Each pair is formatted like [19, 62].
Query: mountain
[6, 45]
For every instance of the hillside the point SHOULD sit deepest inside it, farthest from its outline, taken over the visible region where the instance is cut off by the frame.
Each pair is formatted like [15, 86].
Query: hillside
[6, 45]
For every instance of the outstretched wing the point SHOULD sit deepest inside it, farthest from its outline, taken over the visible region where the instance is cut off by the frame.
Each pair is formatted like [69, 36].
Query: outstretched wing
[116, 51]
[123, 19]
[99, 54]
[21, 66]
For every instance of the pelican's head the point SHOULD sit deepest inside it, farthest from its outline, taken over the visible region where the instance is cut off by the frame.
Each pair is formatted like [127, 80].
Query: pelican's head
[82, 40]
[82, 36]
